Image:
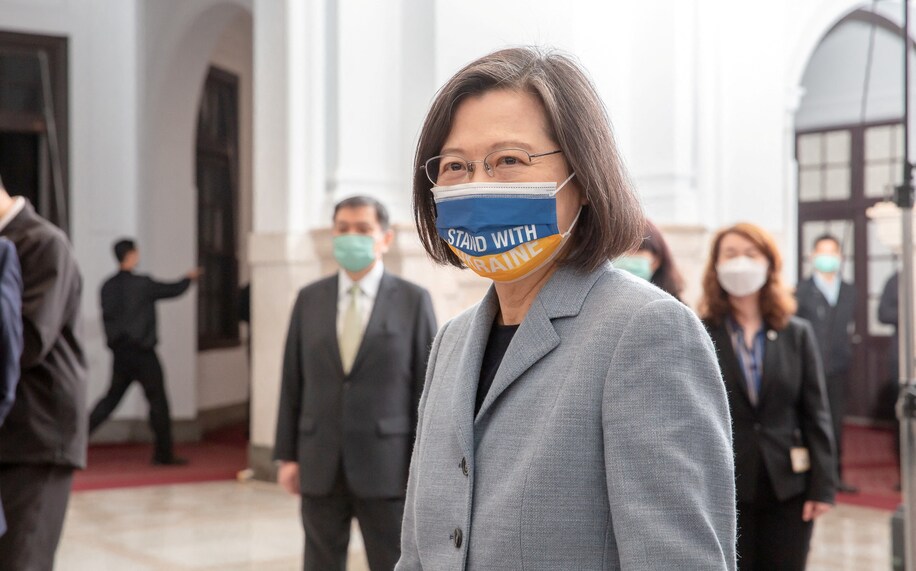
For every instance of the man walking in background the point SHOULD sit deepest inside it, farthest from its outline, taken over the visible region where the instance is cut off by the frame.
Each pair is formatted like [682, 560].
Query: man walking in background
[129, 312]
[829, 303]
[353, 373]
[43, 439]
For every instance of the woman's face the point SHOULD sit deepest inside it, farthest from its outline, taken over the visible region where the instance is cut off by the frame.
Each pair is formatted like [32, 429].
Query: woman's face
[504, 118]
[735, 245]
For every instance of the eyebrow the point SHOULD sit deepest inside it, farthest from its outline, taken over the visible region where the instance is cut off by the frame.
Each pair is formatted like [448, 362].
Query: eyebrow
[510, 144]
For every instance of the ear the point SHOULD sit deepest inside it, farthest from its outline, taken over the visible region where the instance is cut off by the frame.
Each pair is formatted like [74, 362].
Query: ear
[387, 239]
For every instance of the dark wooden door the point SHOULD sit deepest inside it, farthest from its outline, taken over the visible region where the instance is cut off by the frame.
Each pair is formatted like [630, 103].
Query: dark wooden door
[217, 211]
[842, 172]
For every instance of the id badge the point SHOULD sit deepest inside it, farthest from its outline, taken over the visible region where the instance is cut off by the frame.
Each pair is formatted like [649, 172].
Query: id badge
[801, 460]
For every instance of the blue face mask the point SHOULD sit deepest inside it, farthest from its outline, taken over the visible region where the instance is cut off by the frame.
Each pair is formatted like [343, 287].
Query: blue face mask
[354, 252]
[637, 265]
[502, 231]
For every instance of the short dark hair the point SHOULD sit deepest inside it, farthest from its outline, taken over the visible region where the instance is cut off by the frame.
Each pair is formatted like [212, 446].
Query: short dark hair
[611, 223]
[828, 237]
[123, 247]
[381, 213]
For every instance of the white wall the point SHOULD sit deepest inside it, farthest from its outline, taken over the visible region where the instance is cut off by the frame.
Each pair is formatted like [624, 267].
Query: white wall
[104, 83]
[178, 38]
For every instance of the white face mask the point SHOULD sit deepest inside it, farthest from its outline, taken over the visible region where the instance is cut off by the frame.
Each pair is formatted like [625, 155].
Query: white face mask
[742, 276]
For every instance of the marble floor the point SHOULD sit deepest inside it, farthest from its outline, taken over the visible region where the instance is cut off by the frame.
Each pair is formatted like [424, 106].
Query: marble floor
[231, 526]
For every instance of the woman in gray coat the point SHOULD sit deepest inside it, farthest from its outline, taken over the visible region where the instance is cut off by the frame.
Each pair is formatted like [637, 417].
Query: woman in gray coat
[575, 418]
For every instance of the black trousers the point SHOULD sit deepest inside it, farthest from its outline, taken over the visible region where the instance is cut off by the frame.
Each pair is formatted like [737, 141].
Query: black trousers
[141, 365]
[35, 500]
[836, 398]
[771, 533]
[327, 519]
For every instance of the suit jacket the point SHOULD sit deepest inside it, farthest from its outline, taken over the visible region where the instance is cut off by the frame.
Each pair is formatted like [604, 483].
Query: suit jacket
[831, 324]
[48, 422]
[792, 398]
[888, 314]
[10, 333]
[364, 420]
[10, 325]
[603, 443]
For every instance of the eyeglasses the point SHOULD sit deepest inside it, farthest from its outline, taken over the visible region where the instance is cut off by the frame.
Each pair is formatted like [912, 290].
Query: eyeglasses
[504, 165]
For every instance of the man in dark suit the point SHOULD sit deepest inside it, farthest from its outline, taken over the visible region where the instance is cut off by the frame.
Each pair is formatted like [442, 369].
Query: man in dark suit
[44, 436]
[10, 333]
[129, 312]
[353, 372]
[829, 303]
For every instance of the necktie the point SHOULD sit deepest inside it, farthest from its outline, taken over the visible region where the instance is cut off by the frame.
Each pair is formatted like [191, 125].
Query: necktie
[351, 334]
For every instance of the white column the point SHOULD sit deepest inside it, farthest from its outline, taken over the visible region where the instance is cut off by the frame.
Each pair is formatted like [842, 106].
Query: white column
[384, 83]
[289, 188]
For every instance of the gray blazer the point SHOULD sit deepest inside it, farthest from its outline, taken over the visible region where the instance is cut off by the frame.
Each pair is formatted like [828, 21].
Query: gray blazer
[604, 442]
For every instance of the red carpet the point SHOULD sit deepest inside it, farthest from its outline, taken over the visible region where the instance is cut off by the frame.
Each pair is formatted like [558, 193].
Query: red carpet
[219, 456]
[870, 463]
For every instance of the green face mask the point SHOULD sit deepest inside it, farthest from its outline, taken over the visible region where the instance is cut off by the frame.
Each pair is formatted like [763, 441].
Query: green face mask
[354, 252]
[637, 265]
[826, 263]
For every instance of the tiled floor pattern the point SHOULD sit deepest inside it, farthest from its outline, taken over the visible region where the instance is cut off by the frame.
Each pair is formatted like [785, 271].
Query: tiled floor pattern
[230, 526]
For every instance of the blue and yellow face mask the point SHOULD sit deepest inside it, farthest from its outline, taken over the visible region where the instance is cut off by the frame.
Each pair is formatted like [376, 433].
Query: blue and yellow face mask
[502, 231]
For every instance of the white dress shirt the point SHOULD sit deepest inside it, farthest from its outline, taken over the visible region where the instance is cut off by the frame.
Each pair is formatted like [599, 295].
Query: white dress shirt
[368, 287]
[18, 205]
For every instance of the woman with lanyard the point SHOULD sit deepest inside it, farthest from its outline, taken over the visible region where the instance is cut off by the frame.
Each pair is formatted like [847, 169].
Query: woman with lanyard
[782, 433]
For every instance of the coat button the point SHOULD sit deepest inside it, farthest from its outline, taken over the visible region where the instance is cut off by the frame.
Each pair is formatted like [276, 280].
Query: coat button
[464, 466]
[456, 538]
[757, 427]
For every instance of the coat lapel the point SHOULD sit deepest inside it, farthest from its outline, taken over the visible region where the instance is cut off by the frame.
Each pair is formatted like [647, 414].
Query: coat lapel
[562, 296]
[731, 369]
[328, 320]
[772, 360]
[467, 375]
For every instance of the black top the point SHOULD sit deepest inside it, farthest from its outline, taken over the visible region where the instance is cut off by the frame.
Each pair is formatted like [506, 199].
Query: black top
[497, 344]
[129, 311]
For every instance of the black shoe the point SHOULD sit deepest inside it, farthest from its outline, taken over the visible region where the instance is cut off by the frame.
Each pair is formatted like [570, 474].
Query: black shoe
[847, 488]
[173, 461]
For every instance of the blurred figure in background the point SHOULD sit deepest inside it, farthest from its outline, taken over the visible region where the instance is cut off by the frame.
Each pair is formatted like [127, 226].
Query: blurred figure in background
[784, 454]
[829, 303]
[10, 334]
[129, 312]
[888, 314]
[43, 439]
[653, 262]
[353, 373]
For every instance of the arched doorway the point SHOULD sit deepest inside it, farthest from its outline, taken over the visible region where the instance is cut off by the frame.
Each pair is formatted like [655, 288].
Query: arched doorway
[848, 144]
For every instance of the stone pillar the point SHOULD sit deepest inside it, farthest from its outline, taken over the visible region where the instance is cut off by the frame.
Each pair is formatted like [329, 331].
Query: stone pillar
[289, 189]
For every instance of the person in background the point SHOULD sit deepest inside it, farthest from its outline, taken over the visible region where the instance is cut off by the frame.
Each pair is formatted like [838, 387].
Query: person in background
[10, 334]
[784, 453]
[888, 314]
[129, 312]
[575, 417]
[829, 304]
[353, 373]
[652, 261]
[43, 439]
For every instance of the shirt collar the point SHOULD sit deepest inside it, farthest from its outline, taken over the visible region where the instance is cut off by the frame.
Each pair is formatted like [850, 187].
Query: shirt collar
[18, 205]
[368, 285]
[830, 290]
